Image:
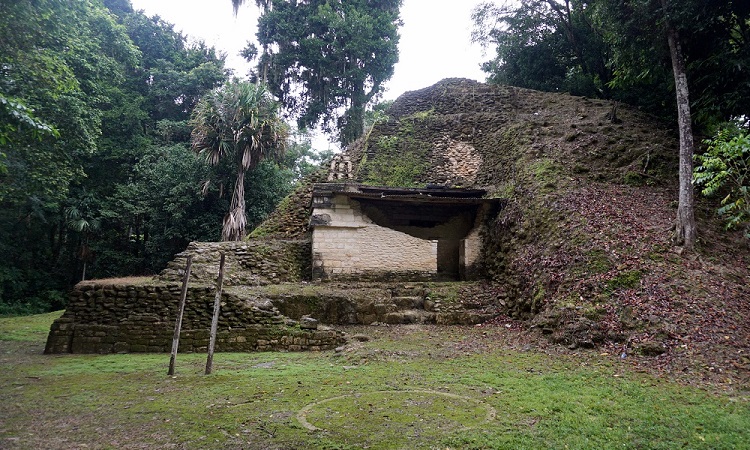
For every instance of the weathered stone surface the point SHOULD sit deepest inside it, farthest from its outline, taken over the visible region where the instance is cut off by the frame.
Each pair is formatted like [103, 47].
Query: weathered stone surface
[247, 263]
[308, 323]
[367, 303]
[142, 322]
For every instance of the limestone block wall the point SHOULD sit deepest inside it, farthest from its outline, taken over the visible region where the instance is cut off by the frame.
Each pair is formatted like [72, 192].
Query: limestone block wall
[469, 254]
[114, 318]
[347, 244]
[372, 251]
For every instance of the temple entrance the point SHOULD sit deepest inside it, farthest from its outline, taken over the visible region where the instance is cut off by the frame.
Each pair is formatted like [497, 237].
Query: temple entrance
[448, 259]
[366, 232]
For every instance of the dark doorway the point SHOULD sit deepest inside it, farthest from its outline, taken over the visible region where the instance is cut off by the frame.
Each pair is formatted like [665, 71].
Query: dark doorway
[447, 259]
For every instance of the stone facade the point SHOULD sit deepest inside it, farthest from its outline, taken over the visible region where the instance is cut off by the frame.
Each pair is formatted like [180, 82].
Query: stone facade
[469, 253]
[114, 318]
[350, 244]
[340, 168]
[461, 162]
[359, 233]
[367, 303]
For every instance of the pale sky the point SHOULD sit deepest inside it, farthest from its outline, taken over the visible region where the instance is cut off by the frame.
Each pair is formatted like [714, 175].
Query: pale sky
[435, 38]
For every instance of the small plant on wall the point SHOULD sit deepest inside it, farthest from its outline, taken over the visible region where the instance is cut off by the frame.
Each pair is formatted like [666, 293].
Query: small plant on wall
[396, 170]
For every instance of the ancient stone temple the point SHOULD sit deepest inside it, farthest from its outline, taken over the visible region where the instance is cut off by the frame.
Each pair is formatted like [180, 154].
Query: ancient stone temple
[390, 233]
[459, 206]
[380, 234]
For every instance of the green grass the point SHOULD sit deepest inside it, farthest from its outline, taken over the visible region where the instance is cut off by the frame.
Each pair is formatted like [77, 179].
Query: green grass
[409, 387]
[26, 328]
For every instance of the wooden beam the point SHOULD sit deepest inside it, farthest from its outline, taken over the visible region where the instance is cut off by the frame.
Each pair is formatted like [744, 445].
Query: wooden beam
[180, 313]
[215, 320]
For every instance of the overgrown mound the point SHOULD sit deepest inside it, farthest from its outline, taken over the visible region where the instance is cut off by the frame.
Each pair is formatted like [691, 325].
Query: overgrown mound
[583, 248]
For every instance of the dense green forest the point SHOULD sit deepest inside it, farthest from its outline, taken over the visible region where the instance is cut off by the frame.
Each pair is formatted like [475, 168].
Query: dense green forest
[97, 177]
[618, 49]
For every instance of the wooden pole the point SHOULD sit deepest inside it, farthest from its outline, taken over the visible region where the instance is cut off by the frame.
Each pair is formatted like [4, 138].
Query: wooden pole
[178, 323]
[215, 320]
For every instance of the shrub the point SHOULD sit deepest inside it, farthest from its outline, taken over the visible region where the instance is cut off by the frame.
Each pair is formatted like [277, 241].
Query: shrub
[724, 169]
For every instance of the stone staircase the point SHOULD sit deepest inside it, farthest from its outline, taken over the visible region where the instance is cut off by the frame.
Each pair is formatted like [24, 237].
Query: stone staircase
[411, 303]
[446, 303]
[407, 305]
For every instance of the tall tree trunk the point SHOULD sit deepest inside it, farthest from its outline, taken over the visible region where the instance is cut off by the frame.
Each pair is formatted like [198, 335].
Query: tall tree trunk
[265, 63]
[235, 221]
[685, 223]
[355, 116]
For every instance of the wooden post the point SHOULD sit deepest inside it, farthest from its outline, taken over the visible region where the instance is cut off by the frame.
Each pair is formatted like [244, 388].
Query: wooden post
[178, 323]
[215, 320]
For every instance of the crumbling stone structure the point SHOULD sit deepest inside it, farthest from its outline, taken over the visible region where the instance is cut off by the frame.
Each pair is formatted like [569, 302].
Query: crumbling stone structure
[255, 262]
[344, 230]
[365, 232]
[114, 318]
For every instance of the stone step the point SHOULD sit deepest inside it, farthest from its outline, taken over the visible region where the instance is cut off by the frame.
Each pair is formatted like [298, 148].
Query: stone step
[408, 290]
[411, 302]
[410, 316]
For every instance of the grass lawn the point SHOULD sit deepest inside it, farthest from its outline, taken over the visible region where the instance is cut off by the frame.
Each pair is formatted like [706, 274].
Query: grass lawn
[408, 387]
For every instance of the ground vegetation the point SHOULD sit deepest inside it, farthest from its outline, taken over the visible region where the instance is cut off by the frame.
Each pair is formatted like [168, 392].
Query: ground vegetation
[390, 387]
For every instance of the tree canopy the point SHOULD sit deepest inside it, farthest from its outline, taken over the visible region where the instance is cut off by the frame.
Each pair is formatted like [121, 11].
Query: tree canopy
[547, 45]
[322, 57]
[97, 178]
[618, 50]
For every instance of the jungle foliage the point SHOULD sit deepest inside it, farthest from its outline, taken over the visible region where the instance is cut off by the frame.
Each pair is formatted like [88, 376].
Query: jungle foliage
[617, 49]
[724, 171]
[647, 53]
[240, 122]
[327, 60]
[97, 178]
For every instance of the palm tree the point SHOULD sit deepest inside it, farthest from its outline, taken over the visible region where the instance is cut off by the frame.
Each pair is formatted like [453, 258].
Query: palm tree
[238, 121]
[79, 218]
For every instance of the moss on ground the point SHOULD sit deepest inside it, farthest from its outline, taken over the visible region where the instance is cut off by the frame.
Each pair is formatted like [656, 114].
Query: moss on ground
[407, 387]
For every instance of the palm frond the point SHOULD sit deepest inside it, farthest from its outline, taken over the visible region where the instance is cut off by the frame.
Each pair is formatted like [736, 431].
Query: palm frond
[238, 121]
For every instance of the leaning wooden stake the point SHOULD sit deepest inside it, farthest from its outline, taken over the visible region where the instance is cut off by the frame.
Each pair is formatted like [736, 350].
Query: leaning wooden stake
[215, 320]
[178, 323]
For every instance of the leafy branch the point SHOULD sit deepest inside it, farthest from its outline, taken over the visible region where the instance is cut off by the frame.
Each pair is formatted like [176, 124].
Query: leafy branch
[725, 170]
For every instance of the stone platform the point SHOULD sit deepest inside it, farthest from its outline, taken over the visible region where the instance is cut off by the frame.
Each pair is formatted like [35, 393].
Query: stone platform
[111, 317]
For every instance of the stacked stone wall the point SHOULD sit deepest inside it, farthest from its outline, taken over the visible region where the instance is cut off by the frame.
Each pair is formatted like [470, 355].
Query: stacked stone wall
[115, 318]
[252, 262]
[344, 252]
[451, 303]
[460, 162]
